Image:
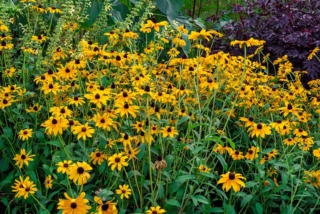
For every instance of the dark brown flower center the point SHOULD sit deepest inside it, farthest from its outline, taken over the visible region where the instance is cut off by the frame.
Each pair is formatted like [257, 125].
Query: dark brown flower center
[125, 94]
[289, 107]
[62, 111]
[83, 129]
[23, 157]
[169, 129]
[4, 101]
[159, 158]
[65, 165]
[98, 154]
[105, 207]
[232, 176]
[35, 108]
[73, 205]
[117, 160]
[126, 106]
[54, 121]
[27, 189]
[50, 86]
[250, 152]
[80, 170]
[259, 126]
[76, 98]
[25, 132]
[118, 58]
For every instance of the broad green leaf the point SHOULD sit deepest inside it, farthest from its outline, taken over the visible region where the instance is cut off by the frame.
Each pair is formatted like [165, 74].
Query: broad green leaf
[8, 132]
[173, 202]
[246, 199]
[184, 178]
[201, 199]
[169, 7]
[259, 208]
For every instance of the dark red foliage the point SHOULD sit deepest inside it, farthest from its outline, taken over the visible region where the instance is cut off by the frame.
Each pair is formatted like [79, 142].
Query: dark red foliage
[289, 27]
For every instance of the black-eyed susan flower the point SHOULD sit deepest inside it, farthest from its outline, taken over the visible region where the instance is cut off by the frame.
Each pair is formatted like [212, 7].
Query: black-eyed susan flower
[231, 179]
[99, 98]
[117, 160]
[236, 155]
[152, 24]
[40, 38]
[61, 111]
[55, 125]
[23, 158]
[155, 210]
[289, 108]
[4, 102]
[132, 153]
[316, 153]
[83, 131]
[53, 10]
[50, 87]
[64, 166]
[300, 132]
[248, 121]
[74, 205]
[48, 182]
[203, 168]
[169, 131]
[103, 121]
[98, 157]
[123, 191]
[126, 109]
[25, 134]
[76, 100]
[107, 207]
[252, 153]
[312, 177]
[24, 187]
[259, 129]
[79, 172]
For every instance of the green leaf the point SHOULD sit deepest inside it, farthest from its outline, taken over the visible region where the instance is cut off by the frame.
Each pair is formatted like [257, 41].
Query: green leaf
[186, 48]
[8, 132]
[215, 210]
[169, 7]
[54, 143]
[184, 178]
[259, 208]
[246, 199]
[222, 161]
[173, 202]
[201, 199]
[183, 119]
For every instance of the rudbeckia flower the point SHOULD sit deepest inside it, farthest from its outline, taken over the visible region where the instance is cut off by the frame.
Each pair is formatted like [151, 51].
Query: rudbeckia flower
[23, 158]
[74, 205]
[124, 191]
[79, 172]
[231, 179]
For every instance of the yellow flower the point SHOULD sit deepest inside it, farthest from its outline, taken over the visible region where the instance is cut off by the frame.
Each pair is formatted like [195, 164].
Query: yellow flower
[117, 160]
[155, 210]
[146, 28]
[74, 205]
[248, 43]
[23, 158]
[79, 172]
[231, 179]
[203, 168]
[313, 53]
[55, 125]
[64, 167]
[24, 188]
[169, 131]
[124, 191]
[105, 207]
[25, 134]
[259, 129]
[40, 38]
[83, 131]
[98, 157]
[48, 182]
